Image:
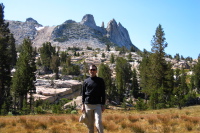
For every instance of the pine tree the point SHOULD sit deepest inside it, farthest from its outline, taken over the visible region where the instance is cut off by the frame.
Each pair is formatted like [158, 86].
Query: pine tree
[135, 86]
[55, 63]
[132, 49]
[63, 56]
[107, 47]
[13, 52]
[123, 75]
[105, 73]
[144, 73]
[181, 89]
[158, 68]
[38, 62]
[177, 57]
[103, 55]
[169, 85]
[24, 77]
[4, 110]
[191, 85]
[46, 53]
[123, 50]
[158, 42]
[68, 61]
[192, 92]
[74, 53]
[69, 68]
[129, 56]
[112, 58]
[66, 66]
[7, 59]
[197, 75]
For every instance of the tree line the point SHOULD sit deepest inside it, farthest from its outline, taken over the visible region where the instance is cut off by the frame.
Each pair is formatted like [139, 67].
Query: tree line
[155, 84]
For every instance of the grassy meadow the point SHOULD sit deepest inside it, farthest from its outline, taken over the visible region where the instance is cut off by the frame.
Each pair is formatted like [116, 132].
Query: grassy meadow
[170, 120]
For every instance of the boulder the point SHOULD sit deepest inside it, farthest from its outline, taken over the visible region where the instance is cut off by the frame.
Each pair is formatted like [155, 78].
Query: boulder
[61, 89]
[77, 101]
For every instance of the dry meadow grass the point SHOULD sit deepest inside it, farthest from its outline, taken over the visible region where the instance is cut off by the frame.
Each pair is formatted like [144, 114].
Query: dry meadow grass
[114, 121]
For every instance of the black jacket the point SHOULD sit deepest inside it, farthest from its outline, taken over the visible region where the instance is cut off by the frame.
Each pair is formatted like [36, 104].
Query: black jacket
[93, 91]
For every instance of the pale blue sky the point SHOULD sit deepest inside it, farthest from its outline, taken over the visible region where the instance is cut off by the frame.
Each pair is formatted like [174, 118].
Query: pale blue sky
[180, 19]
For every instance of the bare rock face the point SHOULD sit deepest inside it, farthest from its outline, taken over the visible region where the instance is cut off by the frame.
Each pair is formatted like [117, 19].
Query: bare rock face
[70, 33]
[23, 30]
[118, 34]
[43, 35]
[88, 20]
[62, 89]
[33, 22]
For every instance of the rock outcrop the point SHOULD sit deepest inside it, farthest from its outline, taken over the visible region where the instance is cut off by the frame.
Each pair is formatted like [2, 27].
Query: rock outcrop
[23, 30]
[118, 34]
[89, 21]
[68, 89]
[71, 33]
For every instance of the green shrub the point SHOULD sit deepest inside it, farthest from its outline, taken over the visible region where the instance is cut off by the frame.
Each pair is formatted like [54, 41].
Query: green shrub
[141, 105]
[74, 112]
[39, 110]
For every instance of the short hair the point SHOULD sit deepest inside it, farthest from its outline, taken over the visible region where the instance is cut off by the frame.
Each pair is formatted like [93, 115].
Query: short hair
[93, 66]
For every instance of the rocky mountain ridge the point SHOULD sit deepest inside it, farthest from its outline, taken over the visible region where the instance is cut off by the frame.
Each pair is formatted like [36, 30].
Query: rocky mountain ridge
[71, 33]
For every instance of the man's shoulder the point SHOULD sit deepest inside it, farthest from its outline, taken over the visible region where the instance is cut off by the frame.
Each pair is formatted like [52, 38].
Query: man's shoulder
[87, 79]
[99, 78]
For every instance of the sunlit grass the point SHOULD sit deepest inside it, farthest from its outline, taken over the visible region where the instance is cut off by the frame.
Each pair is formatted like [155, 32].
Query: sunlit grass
[114, 121]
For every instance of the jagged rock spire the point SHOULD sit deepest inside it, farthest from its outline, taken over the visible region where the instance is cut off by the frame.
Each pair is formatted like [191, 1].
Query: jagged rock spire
[88, 20]
[102, 25]
[118, 34]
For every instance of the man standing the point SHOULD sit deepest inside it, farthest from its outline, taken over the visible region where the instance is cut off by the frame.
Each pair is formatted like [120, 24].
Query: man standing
[93, 100]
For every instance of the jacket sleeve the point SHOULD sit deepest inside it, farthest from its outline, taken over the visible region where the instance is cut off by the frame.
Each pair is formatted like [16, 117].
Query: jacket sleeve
[83, 92]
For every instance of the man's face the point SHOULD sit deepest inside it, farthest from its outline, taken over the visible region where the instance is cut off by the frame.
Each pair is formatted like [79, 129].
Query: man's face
[92, 71]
